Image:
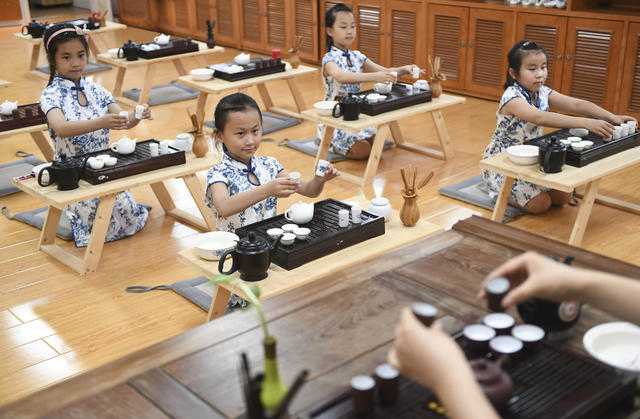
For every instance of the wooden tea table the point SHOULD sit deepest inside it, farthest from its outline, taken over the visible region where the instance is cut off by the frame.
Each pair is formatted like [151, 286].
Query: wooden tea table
[387, 126]
[4, 83]
[566, 181]
[280, 280]
[37, 133]
[218, 86]
[59, 200]
[338, 326]
[36, 43]
[150, 67]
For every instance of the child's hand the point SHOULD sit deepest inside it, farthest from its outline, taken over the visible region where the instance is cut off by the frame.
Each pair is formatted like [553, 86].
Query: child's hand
[115, 121]
[146, 113]
[329, 174]
[384, 76]
[620, 119]
[600, 127]
[282, 187]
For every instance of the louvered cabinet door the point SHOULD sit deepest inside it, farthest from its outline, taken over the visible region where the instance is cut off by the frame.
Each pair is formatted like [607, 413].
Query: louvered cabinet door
[491, 34]
[370, 30]
[322, 11]
[405, 34]
[629, 102]
[227, 29]
[251, 23]
[447, 39]
[306, 24]
[278, 31]
[204, 9]
[137, 13]
[592, 53]
[549, 32]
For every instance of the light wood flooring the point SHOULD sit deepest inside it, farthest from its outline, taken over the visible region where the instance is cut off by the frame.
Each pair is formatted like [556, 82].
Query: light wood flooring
[55, 324]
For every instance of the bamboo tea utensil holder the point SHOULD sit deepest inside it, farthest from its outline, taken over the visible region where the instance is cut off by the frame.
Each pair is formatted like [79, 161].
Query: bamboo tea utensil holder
[410, 213]
[200, 144]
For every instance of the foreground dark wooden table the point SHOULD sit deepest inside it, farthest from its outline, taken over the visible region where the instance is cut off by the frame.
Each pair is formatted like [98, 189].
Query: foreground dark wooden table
[336, 328]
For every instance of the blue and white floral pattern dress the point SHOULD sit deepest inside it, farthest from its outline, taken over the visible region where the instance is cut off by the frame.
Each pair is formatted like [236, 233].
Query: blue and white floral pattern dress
[235, 174]
[342, 141]
[128, 217]
[512, 130]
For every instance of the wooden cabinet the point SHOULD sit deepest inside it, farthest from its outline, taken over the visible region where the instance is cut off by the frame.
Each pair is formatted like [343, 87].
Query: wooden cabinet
[472, 45]
[175, 16]
[227, 17]
[629, 103]
[137, 13]
[306, 21]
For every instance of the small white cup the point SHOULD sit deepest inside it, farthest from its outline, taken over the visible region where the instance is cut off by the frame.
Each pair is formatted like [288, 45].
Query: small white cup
[110, 161]
[395, 75]
[343, 218]
[617, 132]
[124, 113]
[416, 72]
[625, 129]
[95, 163]
[295, 176]
[356, 211]
[323, 165]
[164, 147]
[154, 149]
[632, 127]
[138, 112]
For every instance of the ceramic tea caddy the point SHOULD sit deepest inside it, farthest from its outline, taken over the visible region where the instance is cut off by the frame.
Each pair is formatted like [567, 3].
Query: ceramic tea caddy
[251, 257]
[64, 172]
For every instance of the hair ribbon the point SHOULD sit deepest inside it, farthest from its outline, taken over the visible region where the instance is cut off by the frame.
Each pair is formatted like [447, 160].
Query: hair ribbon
[80, 31]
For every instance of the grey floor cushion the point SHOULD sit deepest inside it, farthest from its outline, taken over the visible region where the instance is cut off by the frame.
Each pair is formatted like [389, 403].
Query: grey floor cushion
[474, 191]
[15, 169]
[270, 122]
[310, 146]
[91, 67]
[36, 219]
[197, 290]
[165, 93]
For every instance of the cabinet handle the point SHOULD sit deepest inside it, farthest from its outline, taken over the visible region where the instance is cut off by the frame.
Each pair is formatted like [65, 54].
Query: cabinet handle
[559, 56]
[568, 57]
[470, 44]
[389, 33]
[381, 32]
[314, 23]
[462, 44]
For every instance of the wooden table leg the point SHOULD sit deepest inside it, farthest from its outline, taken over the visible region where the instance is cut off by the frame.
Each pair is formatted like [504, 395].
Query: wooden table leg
[325, 143]
[396, 134]
[295, 92]
[146, 86]
[177, 62]
[427, 151]
[197, 192]
[376, 152]
[35, 54]
[43, 144]
[50, 227]
[443, 135]
[265, 96]
[164, 197]
[117, 87]
[98, 233]
[218, 303]
[502, 199]
[201, 104]
[584, 212]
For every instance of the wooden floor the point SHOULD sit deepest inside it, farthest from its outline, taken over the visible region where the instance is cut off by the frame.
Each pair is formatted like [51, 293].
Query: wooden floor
[54, 324]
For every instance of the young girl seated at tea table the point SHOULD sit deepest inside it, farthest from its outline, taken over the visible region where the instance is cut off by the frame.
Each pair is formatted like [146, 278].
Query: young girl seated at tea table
[429, 356]
[80, 114]
[343, 70]
[524, 110]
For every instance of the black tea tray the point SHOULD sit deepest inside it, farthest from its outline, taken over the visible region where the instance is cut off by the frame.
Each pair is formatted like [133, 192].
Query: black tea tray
[174, 47]
[256, 67]
[400, 96]
[24, 116]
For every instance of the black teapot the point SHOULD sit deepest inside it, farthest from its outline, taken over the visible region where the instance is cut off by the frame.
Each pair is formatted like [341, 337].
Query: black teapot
[129, 51]
[65, 172]
[34, 28]
[557, 319]
[251, 257]
[348, 107]
[551, 155]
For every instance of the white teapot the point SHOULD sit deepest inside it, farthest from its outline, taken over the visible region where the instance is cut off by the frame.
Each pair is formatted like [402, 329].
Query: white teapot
[299, 213]
[7, 107]
[125, 145]
[162, 39]
[242, 58]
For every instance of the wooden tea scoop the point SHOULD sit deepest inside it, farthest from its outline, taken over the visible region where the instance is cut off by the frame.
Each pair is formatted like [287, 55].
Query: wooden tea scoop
[404, 180]
[426, 180]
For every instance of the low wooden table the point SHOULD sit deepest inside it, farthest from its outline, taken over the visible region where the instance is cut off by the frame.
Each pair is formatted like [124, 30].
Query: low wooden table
[36, 43]
[566, 181]
[336, 327]
[218, 86]
[37, 133]
[150, 69]
[59, 200]
[387, 126]
[280, 280]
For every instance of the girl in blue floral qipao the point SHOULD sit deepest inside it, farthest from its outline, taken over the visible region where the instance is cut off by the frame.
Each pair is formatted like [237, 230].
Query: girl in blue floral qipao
[524, 109]
[342, 72]
[243, 188]
[80, 114]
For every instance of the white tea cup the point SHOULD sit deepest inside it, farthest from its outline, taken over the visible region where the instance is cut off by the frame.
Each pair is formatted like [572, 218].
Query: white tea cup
[343, 218]
[138, 111]
[164, 147]
[183, 141]
[295, 176]
[416, 72]
[632, 126]
[154, 149]
[323, 165]
[617, 132]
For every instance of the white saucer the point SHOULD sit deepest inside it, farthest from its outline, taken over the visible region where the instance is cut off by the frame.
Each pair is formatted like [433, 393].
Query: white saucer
[616, 344]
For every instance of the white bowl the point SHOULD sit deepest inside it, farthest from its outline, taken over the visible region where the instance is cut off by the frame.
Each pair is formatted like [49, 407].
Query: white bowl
[325, 107]
[579, 132]
[202, 74]
[288, 239]
[288, 228]
[301, 233]
[523, 154]
[616, 344]
[383, 87]
[274, 233]
[587, 143]
[579, 146]
[213, 244]
[114, 52]
[574, 139]
[566, 142]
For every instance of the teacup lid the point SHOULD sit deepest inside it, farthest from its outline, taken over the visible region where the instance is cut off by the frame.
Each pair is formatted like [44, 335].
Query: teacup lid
[380, 201]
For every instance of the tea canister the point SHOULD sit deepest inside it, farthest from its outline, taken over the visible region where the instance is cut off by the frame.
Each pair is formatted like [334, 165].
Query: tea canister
[381, 206]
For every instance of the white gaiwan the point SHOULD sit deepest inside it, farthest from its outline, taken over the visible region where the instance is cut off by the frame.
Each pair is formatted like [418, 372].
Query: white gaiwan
[242, 58]
[299, 213]
[7, 107]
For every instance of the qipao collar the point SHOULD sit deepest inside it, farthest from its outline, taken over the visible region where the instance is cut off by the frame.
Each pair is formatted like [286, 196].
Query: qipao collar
[527, 95]
[237, 163]
[344, 53]
[70, 84]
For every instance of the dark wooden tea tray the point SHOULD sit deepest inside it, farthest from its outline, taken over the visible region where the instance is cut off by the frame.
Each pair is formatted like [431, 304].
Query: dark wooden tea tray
[174, 47]
[256, 67]
[24, 116]
[326, 236]
[139, 161]
[400, 96]
[81, 23]
[599, 150]
[549, 382]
